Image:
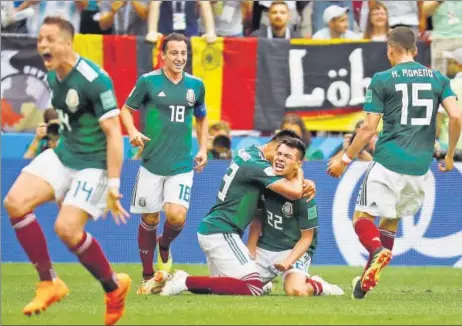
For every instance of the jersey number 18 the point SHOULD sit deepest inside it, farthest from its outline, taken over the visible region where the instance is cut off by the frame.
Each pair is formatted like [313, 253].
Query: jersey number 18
[177, 113]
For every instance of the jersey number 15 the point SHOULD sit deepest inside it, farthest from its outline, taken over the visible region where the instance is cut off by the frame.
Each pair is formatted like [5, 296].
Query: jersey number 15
[416, 102]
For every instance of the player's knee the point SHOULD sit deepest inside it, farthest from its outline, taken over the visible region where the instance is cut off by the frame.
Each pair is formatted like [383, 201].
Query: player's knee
[176, 215]
[151, 219]
[292, 291]
[67, 233]
[15, 205]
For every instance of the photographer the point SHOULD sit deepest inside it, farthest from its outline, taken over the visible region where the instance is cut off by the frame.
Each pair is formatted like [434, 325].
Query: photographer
[46, 135]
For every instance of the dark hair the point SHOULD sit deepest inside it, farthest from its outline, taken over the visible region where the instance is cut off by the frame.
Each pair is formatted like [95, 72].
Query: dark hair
[294, 119]
[62, 23]
[295, 143]
[283, 135]
[173, 37]
[402, 37]
[50, 114]
[369, 28]
[222, 141]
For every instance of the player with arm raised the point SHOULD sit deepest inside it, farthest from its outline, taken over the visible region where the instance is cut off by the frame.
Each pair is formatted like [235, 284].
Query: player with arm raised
[283, 236]
[407, 97]
[232, 272]
[83, 171]
[169, 98]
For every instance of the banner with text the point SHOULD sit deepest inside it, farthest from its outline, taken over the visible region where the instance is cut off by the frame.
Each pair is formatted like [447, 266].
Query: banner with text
[323, 82]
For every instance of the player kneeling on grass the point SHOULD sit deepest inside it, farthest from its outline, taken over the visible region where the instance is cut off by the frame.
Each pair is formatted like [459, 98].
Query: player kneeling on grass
[283, 236]
[232, 270]
[82, 172]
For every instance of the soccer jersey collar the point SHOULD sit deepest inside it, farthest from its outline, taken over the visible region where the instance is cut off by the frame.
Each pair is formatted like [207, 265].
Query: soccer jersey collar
[70, 72]
[170, 81]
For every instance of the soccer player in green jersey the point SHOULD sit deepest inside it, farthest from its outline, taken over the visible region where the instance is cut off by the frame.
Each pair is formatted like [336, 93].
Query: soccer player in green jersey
[407, 97]
[283, 236]
[231, 270]
[169, 98]
[82, 172]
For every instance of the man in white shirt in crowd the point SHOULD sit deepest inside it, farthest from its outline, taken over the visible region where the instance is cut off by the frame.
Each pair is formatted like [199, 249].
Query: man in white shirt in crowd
[336, 19]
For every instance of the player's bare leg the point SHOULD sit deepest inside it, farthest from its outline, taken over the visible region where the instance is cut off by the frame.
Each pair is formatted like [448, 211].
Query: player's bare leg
[147, 240]
[295, 284]
[369, 236]
[175, 219]
[70, 227]
[28, 192]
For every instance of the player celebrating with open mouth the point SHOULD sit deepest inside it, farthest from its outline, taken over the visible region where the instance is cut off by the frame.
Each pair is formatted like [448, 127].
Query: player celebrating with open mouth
[283, 236]
[83, 172]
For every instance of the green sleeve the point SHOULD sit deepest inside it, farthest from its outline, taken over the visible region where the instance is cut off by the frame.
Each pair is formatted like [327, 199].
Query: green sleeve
[447, 89]
[137, 96]
[102, 96]
[307, 214]
[260, 171]
[374, 100]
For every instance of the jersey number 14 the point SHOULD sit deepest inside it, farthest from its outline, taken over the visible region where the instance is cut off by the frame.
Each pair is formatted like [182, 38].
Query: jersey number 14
[416, 102]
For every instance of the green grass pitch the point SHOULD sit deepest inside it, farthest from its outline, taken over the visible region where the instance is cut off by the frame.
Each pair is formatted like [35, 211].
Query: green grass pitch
[405, 295]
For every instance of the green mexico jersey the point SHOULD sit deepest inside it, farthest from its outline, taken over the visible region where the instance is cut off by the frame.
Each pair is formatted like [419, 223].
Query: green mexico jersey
[283, 221]
[408, 95]
[168, 111]
[246, 177]
[82, 99]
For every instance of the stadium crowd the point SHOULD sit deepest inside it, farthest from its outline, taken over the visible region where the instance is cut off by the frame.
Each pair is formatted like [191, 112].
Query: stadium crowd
[320, 20]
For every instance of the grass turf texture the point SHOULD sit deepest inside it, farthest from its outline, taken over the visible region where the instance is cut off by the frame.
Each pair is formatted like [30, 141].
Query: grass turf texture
[404, 296]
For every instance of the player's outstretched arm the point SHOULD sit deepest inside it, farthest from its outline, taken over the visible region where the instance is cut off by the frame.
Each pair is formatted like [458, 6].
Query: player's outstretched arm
[137, 139]
[337, 166]
[451, 107]
[254, 234]
[301, 247]
[112, 130]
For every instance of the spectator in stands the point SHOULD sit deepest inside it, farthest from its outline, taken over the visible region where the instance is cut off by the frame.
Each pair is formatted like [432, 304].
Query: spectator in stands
[279, 16]
[219, 144]
[46, 135]
[166, 17]
[261, 14]
[366, 154]
[377, 23]
[229, 17]
[8, 19]
[295, 123]
[319, 7]
[89, 22]
[400, 13]
[454, 70]
[336, 19]
[70, 10]
[125, 17]
[446, 17]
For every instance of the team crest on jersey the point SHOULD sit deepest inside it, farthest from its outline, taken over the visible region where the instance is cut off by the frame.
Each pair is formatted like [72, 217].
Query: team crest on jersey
[72, 100]
[288, 209]
[142, 202]
[190, 97]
